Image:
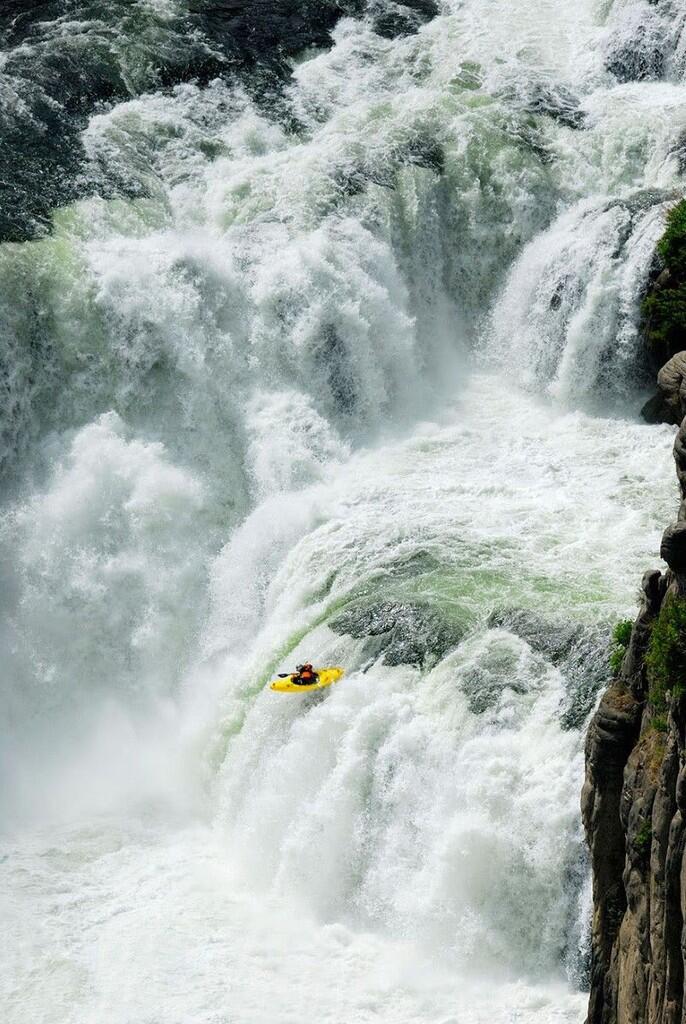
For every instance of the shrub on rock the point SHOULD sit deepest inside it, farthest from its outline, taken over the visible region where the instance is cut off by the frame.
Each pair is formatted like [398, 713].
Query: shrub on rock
[666, 656]
[664, 308]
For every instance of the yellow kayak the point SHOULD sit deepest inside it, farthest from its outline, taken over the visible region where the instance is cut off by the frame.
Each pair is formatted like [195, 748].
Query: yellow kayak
[327, 676]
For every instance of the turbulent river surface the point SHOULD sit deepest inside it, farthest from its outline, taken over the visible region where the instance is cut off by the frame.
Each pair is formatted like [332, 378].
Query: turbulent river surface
[319, 341]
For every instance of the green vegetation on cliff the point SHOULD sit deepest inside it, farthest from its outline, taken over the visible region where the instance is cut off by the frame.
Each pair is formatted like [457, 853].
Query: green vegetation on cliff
[621, 635]
[664, 308]
[666, 655]
[644, 837]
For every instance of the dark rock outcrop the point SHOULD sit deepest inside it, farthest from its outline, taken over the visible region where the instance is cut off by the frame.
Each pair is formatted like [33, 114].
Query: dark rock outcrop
[541, 97]
[637, 60]
[611, 737]
[673, 547]
[398, 632]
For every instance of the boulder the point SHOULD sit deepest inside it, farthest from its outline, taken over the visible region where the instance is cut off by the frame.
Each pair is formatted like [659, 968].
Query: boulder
[669, 404]
[673, 547]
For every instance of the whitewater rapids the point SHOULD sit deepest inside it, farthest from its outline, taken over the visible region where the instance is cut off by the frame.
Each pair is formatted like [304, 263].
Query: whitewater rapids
[386, 351]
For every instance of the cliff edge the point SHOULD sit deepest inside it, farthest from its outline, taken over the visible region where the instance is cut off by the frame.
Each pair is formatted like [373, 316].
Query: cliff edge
[634, 804]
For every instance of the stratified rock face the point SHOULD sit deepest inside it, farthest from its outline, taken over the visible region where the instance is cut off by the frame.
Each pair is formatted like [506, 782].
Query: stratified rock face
[633, 803]
[611, 737]
[633, 807]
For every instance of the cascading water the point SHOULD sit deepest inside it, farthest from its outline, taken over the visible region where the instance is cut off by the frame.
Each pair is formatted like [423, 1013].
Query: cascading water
[336, 359]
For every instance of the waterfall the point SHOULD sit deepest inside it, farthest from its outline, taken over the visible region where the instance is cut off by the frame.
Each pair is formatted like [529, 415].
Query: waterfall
[320, 341]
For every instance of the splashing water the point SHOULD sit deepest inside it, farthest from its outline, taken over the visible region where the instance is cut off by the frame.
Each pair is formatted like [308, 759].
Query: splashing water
[346, 373]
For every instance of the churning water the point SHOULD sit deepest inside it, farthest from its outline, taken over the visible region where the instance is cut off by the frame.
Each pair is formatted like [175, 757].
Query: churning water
[345, 369]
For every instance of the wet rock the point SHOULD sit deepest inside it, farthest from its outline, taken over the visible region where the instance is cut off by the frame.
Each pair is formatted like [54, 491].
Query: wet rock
[563, 108]
[549, 100]
[485, 683]
[269, 31]
[399, 633]
[277, 29]
[639, 57]
[581, 653]
[554, 639]
[654, 410]
[391, 20]
[54, 80]
[585, 673]
[644, 199]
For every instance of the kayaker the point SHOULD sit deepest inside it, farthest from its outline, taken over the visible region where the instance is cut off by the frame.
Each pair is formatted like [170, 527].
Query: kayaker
[304, 675]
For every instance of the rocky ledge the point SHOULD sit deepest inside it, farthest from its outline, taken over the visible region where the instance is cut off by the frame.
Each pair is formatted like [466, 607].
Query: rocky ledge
[634, 799]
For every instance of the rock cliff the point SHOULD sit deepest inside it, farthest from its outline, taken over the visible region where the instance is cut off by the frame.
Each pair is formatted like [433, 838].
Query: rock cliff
[634, 802]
